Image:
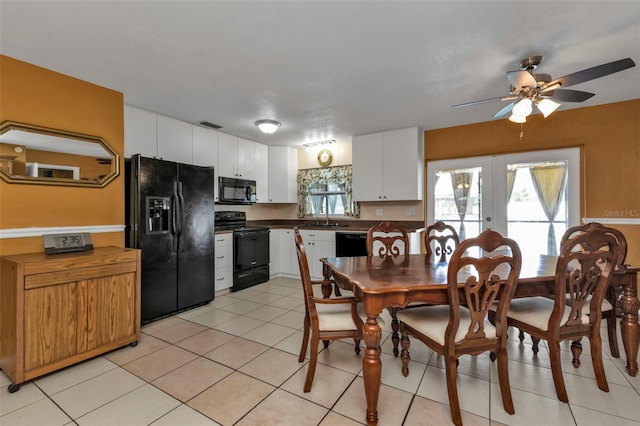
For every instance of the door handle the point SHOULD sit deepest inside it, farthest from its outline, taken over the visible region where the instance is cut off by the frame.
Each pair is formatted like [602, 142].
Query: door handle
[181, 204]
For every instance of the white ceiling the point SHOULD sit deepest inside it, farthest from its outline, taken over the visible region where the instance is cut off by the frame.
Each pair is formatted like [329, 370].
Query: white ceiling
[325, 69]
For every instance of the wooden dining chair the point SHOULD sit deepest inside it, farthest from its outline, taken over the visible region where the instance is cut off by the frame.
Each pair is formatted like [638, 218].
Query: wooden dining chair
[583, 271]
[462, 327]
[609, 300]
[325, 318]
[389, 239]
[440, 240]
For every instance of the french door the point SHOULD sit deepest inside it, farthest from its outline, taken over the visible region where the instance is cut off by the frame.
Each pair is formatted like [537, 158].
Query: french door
[531, 197]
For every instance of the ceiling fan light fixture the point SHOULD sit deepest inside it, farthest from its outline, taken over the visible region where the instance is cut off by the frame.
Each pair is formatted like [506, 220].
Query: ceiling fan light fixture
[547, 106]
[268, 126]
[515, 118]
[523, 108]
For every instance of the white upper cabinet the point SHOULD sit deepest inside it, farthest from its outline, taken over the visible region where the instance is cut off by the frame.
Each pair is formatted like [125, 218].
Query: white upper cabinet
[205, 151]
[236, 157]
[140, 132]
[246, 159]
[156, 136]
[175, 140]
[262, 172]
[388, 166]
[368, 177]
[283, 170]
[227, 155]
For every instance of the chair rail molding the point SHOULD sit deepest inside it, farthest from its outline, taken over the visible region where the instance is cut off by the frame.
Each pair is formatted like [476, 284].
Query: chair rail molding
[612, 220]
[38, 232]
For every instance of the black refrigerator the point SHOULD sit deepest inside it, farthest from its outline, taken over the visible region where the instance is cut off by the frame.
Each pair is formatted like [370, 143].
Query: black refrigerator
[170, 218]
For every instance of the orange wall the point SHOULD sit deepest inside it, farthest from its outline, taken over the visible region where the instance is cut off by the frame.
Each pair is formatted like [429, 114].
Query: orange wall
[609, 136]
[34, 95]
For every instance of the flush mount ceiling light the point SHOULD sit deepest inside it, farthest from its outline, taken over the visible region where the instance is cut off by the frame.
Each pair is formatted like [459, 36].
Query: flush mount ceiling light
[268, 126]
[308, 146]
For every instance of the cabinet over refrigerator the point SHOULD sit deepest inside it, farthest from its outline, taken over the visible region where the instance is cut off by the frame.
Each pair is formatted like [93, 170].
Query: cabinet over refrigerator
[170, 217]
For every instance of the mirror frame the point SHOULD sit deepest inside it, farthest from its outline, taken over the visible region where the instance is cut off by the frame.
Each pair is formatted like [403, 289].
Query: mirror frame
[115, 158]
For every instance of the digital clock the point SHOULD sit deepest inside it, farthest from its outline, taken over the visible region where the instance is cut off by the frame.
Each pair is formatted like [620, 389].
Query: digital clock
[63, 243]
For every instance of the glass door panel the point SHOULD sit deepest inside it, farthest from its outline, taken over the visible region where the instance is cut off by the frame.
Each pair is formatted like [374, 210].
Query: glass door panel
[528, 208]
[513, 194]
[458, 192]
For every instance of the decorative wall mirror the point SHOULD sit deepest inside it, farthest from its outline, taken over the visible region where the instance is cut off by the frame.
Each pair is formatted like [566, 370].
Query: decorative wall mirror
[39, 155]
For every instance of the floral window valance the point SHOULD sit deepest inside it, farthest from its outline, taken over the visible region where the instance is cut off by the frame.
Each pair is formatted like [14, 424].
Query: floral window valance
[310, 180]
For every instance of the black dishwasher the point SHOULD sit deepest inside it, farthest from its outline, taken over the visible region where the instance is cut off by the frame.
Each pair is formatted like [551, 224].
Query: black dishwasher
[351, 244]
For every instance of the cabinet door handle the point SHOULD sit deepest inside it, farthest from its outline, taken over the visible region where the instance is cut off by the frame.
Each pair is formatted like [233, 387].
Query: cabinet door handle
[219, 257]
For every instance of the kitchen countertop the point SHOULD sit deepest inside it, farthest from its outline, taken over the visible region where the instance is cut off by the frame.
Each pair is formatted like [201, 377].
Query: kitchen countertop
[343, 225]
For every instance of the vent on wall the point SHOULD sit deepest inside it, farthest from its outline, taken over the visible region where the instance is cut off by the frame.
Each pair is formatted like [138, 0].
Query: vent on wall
[208, 124]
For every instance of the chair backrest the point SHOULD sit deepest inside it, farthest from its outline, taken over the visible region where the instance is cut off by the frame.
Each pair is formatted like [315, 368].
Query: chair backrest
[441, 240]
[619, 236]
[584, 268]
[493, 272]
[387, 239]
[305, 275]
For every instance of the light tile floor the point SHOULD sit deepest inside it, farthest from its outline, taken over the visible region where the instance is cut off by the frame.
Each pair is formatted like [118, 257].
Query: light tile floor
[234, 361]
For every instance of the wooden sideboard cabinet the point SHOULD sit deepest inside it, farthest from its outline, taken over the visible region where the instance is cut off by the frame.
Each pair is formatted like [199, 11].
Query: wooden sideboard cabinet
[57, 310]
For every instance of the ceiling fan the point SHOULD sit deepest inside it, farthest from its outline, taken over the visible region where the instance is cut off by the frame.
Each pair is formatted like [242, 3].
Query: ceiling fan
[529, 89]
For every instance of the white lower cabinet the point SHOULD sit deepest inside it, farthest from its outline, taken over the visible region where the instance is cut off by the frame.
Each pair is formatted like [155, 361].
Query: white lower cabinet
[223, 261]
[318, 244]
[288, 256]
[274, 253]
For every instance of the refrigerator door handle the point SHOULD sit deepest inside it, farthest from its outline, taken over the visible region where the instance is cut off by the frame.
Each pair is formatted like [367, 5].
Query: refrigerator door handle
[180, 214]
[174, 216]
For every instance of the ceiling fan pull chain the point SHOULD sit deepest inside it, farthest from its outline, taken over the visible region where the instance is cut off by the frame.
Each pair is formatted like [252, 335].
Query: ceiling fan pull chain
[521, 130]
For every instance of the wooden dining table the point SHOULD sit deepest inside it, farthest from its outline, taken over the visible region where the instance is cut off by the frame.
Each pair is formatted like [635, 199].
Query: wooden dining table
[395, 281]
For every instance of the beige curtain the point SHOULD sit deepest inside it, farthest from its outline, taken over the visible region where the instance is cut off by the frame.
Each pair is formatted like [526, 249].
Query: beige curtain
[461, 182]
[549, 182]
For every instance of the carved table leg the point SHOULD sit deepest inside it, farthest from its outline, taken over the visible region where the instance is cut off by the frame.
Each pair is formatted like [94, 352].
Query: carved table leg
[395, 327]
[372, 367]
[629, 326]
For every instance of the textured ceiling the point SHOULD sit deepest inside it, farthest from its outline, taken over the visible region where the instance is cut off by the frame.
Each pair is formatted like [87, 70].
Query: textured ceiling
[325, 69]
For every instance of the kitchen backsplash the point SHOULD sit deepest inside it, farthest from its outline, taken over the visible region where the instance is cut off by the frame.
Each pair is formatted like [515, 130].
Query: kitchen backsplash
[391, 210]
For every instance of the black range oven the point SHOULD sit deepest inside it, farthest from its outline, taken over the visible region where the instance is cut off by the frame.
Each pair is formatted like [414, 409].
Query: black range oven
[250, 249]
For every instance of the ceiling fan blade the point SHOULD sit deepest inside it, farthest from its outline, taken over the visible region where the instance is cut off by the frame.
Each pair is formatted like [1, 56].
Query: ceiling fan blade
[519, 79]
[505, 110]
[564, 95]
[503, 98]
[592, 73]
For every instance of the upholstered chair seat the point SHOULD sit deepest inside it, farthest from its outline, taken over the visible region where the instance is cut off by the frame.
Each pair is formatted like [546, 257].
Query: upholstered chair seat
[432, 322]
[536, 311]
[338, 317]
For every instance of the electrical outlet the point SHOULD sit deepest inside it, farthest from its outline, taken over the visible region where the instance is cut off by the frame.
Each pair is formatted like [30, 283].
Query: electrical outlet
[411, 212]
[378, 212]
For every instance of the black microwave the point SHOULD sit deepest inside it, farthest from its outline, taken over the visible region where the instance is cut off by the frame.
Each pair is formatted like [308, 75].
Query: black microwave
[236, 191]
